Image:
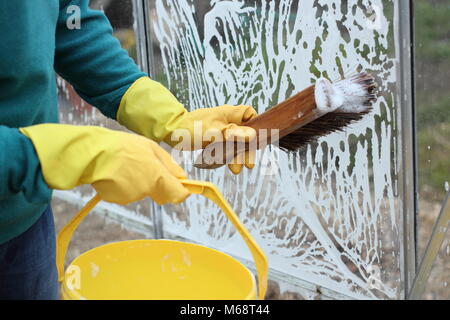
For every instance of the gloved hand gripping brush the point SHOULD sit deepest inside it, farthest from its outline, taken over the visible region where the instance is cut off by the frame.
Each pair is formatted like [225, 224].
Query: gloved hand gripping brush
[312, 113]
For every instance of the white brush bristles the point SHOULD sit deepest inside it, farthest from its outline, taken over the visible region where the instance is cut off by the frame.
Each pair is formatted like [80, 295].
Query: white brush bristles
[352, 95]
[356, 92]
[328, 99]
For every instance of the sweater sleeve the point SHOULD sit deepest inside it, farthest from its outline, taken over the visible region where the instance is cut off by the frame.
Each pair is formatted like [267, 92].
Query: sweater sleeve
[20, 169]
[91, 59]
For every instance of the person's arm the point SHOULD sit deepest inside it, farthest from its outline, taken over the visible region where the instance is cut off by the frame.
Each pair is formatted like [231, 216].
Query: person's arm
[20, 169]
[120, 166]
[103, 74]
[92, 60]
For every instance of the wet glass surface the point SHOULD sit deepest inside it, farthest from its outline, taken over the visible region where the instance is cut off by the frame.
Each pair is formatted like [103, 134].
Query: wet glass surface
[328, 215]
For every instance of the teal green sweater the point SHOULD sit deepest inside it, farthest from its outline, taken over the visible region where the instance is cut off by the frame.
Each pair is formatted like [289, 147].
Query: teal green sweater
[35, 43]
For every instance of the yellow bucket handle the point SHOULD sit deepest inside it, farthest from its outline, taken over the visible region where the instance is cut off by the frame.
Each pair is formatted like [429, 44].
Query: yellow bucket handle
[206, 189]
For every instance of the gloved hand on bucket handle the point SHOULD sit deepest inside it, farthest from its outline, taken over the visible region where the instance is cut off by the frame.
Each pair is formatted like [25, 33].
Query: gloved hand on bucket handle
[150, 109]
[121, 167]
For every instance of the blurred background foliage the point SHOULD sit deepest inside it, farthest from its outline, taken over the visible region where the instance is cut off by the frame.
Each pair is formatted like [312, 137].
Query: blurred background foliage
[432, 45]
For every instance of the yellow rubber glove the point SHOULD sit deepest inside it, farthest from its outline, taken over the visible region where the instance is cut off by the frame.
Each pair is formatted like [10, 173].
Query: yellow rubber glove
[121, 167]
[150, 109]
[224, 123]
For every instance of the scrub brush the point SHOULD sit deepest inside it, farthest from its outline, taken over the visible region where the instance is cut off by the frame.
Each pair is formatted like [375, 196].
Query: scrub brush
[316, 111]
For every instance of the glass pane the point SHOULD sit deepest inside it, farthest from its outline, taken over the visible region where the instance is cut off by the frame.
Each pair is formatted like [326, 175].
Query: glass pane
[328, 217]
[432, 29]
[133, 222]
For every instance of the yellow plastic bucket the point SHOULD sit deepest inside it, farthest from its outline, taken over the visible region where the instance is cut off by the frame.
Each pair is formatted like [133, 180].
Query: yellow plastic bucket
[160, 269]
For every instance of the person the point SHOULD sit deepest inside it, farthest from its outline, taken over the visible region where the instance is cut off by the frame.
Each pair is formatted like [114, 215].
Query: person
[38, 155]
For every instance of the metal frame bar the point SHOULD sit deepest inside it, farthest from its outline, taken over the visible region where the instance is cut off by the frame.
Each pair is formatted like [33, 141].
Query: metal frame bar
[149, 40]
[407, 141]
[142, 50]
[431, 253]
[145, 56]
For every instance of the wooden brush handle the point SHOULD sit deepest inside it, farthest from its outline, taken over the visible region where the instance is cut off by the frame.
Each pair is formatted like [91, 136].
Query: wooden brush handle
[287, 117]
